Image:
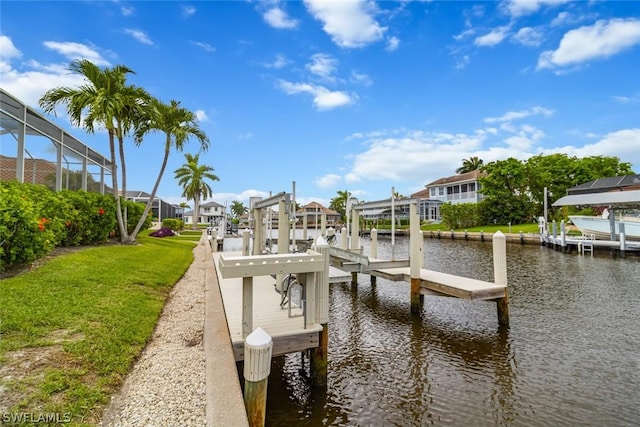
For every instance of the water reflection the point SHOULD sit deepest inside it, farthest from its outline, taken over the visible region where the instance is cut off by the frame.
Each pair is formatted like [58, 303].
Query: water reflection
[570, 356]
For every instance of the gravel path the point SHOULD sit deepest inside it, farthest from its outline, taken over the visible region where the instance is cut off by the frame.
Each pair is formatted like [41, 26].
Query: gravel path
[166, 386]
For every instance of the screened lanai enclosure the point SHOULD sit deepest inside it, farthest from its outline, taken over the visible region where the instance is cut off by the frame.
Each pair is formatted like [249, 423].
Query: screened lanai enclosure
[35, 150]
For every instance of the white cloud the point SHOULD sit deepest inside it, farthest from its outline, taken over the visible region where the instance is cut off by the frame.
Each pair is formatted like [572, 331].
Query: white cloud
[323, 98]
[561, 19]
[626, 99]
[462, 62]
[201, 115]
[188, 11]
[127, 10]
[72, 50]
[327, 181]
[414, 150]
[323, 65]
[622, 144]
[139, 35]
[280, 62]
[7, 49]
[360, 78]
[517, 8]
[529, 36]
[206, 46]
[516, 115]
[603, 39]
[350, 23]
[494, 37]
[278, 18]
[392, 44]
[466, 33]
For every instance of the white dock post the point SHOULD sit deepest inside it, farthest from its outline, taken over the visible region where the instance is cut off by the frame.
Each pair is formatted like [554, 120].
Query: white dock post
[374, 243]
[213, 240]
[323, 224]
[319, 355]
[283, 237]
[258, 348]
[374, 250]
[258, 231]
[304, 226]
[245, 242]
[416, 243]
[343, 235]
[500, 275]
[563, 236]
[623, 240]
[355, 229]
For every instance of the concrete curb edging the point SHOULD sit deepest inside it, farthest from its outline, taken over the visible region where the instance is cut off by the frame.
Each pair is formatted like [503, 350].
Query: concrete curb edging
[224, 401]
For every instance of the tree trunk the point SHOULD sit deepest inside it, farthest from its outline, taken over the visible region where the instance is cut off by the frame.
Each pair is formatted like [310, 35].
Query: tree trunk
[114, 183]
[196, 211]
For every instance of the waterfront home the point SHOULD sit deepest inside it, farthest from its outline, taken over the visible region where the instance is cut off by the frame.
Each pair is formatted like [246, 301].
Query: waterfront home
[313, 211]
[210, 213]
[460, 188]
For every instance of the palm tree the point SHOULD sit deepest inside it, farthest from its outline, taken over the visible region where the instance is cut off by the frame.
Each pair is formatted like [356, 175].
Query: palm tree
[192, 177]
[104, 100]
[339, 203]
[178, 124]
[470, 164]
[238, 209]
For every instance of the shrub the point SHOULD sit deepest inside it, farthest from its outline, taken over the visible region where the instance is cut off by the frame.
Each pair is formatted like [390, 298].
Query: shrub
[163, 232]
[34, 220]
[134, 211]
[174, 224]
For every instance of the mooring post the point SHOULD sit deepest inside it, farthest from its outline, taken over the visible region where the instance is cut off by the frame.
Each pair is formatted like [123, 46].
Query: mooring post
[258, 231]
[563, 237]
[623, 240]
[245, 242]
[258, 348]
[344, 237]
[323, 224]
[283, 238]
[416, 242]
[500, 275]
[319, 355]
[374, 250]
[355, 229]
[213, 240]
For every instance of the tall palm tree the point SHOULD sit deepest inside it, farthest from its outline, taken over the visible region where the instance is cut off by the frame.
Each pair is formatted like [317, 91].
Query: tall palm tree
[470, 164]
[238, 209]
[192, 177]
[105, 100]
[178, 125]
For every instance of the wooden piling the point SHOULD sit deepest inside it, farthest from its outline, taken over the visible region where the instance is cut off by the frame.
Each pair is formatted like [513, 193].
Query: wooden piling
[319, 355]
[416, 243]
[258, 348]
[245, 242]
[374, 250]
[500, 275]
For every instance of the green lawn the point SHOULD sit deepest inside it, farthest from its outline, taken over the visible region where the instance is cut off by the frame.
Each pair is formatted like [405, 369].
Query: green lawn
[82, 319]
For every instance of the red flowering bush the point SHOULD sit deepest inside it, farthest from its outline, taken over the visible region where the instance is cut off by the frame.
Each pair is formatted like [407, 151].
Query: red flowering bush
[34, 220]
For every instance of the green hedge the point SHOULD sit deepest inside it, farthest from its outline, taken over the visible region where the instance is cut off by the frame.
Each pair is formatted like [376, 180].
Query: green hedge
[174, 224]
[34, 220]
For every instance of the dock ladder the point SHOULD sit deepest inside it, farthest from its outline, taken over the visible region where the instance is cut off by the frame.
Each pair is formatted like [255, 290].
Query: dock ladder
[586, 244]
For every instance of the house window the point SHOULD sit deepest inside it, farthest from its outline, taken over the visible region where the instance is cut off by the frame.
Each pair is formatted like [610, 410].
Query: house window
[472, 186]
[441, 190]
[433, 192]
[463, 188]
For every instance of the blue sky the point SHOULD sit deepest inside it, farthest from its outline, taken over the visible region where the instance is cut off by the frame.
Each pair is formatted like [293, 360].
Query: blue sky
[348, 95]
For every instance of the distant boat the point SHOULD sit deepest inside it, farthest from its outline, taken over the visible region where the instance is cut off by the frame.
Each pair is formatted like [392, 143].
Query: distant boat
[601, 228]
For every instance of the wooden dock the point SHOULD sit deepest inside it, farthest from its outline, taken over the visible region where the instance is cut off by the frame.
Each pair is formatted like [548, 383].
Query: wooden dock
[287, 328]
[443, 284]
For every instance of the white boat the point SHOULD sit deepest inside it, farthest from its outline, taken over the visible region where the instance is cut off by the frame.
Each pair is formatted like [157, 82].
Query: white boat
[600, 227]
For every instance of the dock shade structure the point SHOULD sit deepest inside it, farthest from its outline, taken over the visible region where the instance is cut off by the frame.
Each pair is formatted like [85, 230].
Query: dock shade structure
[614, 199]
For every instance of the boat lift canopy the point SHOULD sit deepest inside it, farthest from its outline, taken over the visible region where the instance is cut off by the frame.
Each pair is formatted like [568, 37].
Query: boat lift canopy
[613, 199]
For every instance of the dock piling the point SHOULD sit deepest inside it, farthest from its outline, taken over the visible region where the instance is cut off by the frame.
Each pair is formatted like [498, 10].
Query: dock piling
[319, 355]
[500, 275]
[258, 348]
[416, 243]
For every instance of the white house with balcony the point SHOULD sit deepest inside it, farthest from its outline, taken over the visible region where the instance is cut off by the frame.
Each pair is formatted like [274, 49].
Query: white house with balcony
[210, 213]
[461, 188]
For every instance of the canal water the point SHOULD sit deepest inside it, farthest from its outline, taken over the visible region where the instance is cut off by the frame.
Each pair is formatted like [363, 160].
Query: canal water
[571, 355]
